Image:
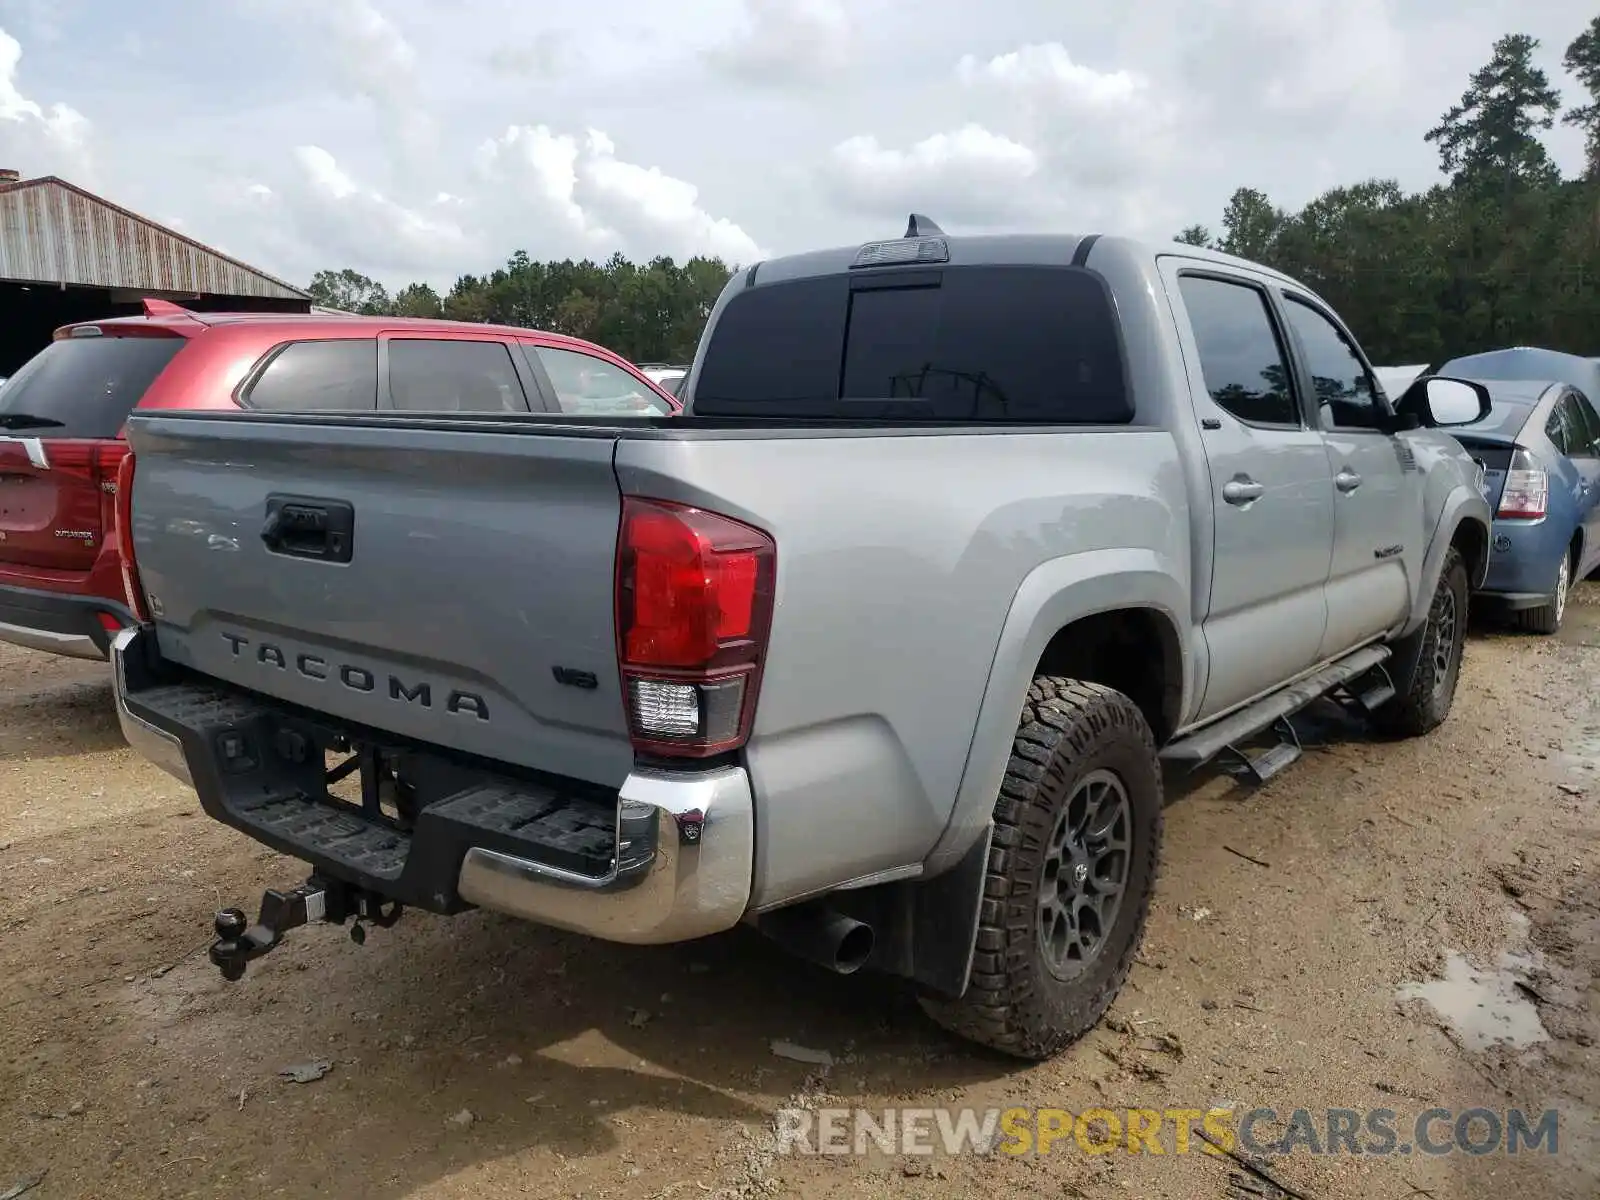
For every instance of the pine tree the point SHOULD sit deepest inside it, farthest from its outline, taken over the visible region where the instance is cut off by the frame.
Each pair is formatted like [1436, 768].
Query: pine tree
[1583, 60]
[1490, 139]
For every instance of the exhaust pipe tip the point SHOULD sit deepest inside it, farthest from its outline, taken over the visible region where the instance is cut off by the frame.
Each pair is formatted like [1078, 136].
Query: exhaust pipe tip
[854, 948]
[822, 936]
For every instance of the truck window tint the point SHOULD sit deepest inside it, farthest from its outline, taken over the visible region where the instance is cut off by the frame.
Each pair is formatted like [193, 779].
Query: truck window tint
[1241, 358]
[453, 376]
[325, 376]
[590, 385]
[88, 384]
[1024, 344]
[1344, 389]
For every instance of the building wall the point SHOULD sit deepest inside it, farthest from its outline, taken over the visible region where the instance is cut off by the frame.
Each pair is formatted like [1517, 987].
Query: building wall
[52, 232]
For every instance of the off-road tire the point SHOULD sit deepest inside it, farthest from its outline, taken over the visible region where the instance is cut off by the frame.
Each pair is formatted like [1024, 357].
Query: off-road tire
[1547, 618]
[1013, 1003]
[1425, 703]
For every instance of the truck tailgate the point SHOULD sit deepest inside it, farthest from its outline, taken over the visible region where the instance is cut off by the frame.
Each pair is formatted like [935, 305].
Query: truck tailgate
[475, 608]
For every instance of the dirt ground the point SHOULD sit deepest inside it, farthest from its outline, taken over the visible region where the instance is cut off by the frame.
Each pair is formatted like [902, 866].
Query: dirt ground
[484, 1058]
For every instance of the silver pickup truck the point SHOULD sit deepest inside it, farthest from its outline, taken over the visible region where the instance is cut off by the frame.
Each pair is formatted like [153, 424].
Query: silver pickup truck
[880, 648]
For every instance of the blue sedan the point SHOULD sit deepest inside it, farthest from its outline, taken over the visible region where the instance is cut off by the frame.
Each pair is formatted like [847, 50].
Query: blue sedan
[1540, 449]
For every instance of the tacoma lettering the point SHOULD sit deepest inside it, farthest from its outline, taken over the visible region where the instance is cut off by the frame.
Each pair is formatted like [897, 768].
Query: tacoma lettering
[357, 679]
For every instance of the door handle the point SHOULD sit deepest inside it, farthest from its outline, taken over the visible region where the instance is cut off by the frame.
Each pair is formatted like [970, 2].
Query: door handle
[1242, 490]
[1347, 480]
[302, 527]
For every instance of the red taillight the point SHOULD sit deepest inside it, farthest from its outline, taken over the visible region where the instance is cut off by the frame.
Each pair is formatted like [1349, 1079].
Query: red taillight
[1526, 493]
[131, 589]
[693, 606]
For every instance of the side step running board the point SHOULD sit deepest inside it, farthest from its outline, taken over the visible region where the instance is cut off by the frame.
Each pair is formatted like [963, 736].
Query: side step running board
[1373, 689]
[1205, 744]
[1262, 767]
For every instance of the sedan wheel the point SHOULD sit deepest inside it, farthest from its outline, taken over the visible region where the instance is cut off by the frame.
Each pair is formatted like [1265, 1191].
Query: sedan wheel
[1547, 617]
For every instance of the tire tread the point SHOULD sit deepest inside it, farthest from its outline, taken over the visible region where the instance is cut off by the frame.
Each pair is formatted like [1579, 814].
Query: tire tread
[1414, 713]
[1062, 722]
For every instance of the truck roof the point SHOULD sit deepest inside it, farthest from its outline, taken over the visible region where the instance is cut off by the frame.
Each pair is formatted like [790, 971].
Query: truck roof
[1033, 249]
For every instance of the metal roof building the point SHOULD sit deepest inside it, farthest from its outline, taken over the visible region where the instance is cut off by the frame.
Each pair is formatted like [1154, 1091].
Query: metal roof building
[67, 255]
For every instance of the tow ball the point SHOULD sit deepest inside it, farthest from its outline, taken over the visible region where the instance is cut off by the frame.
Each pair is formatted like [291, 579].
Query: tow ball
[240, 943]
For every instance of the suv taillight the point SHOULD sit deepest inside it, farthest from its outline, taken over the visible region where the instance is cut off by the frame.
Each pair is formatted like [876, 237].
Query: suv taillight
[132, 591]
[694, 600]
[1526, 493]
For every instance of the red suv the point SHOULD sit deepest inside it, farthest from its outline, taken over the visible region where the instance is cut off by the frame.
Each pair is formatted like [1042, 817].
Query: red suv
[61, 418]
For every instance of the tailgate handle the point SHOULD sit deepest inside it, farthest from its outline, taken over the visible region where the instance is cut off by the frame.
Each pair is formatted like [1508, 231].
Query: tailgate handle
[303, 527]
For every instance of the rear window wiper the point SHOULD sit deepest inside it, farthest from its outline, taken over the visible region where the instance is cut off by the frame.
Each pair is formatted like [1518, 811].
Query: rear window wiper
[16, 420]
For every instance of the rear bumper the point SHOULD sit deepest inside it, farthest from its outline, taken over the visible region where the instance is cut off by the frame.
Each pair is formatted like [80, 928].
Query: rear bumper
[58, 623]
[1527, 555]
[669, 858]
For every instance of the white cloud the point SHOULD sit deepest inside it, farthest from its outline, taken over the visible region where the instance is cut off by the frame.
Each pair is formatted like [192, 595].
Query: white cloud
[1045, 73]
[970, 175]
[1097, 129]
[1059, 140]
[34, 139]
[1315, 61]
[368, 56]
[542, 56]
[604, 201]
[784, 42]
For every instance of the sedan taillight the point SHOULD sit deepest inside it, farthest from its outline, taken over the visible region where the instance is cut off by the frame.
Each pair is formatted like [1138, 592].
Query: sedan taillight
[1526, 494]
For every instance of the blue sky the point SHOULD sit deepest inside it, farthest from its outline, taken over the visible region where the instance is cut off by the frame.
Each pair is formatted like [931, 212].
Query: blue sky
[421, 139]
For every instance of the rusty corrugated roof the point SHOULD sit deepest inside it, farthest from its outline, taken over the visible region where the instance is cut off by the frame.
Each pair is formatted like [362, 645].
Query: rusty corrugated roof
[52, 231]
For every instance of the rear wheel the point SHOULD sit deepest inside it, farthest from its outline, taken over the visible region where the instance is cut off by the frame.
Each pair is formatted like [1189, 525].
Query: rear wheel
[1547, 618]
[1071, 871]
[1425, 704]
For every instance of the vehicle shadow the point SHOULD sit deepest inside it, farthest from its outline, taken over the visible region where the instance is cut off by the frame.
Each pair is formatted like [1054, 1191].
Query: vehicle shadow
[561, 1050]
[64, 715]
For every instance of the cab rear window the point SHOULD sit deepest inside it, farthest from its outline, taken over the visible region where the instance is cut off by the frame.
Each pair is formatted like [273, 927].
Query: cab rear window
[84, 387]
[1035, 345]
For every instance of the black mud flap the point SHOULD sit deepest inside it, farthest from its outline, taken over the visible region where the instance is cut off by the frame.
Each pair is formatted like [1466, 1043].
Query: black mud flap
[925, 930]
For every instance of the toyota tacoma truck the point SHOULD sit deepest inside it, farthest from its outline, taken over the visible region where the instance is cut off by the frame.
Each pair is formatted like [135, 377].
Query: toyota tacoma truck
[880, 648]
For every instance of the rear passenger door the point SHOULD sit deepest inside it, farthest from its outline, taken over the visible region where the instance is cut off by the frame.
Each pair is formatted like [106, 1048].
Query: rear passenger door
[1272, 493]
[424, 374]
[1378, 522]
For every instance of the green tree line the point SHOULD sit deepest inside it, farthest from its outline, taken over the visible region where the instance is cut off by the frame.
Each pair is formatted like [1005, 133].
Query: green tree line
[1504, 252]
[648, 313]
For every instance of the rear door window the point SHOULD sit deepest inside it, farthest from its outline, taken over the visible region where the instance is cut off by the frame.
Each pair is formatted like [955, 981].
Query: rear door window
[83, 387]
[339, 375]
[589, 385]
[1241, 357]
[438, 375]
[1023, 344]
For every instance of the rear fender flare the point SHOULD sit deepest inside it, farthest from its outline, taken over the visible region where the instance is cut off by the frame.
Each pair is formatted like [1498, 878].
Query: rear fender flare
[1052, 596]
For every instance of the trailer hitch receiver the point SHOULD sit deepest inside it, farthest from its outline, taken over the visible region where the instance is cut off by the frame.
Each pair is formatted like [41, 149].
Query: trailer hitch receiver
[240, 943]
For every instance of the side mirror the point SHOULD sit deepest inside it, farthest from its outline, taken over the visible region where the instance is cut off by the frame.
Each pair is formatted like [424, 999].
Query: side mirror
[1442, 403]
